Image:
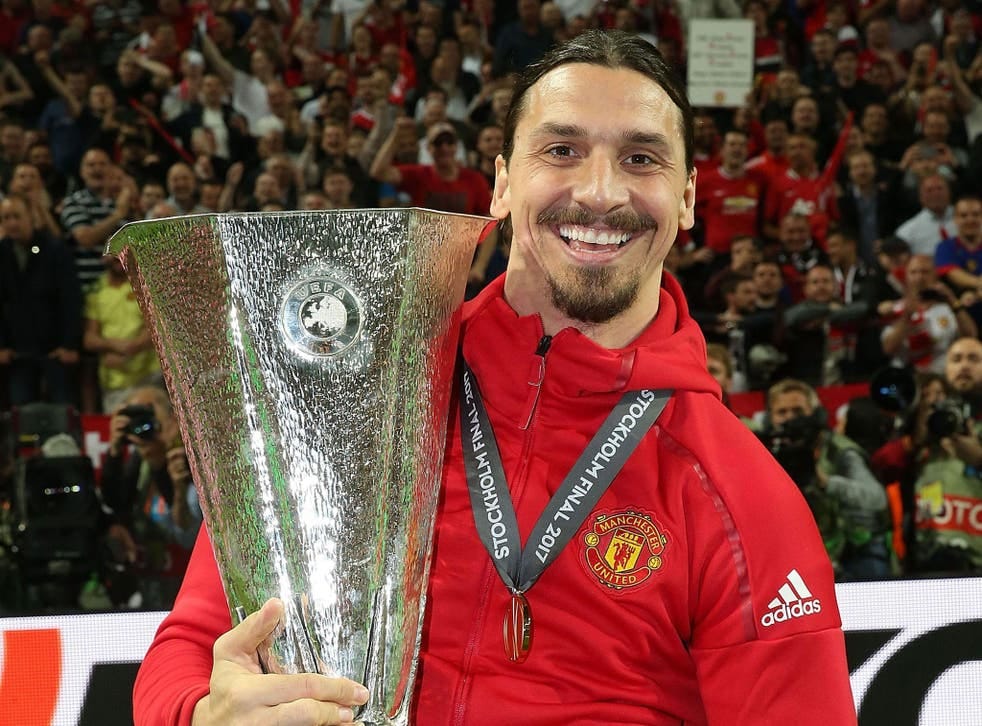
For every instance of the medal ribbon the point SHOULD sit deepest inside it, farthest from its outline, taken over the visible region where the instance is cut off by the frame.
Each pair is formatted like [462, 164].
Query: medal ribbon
[577, 495]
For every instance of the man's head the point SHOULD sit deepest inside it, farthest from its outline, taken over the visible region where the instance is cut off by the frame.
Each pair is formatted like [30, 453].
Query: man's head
[768, 279]
[845, 65]
[26, 179]
[963, 366]
[820, 285]
[823, 46]
[734, 150]
[862, 169]
[334, 138]
[15, 218]
[804, 114]
[441, 139]
[934, 193]
[790, 399]
[739, 293]
[801, 152]
[12, 140]
[490, 141]
[874, 121]
[920, 273]
[795, 233]
[181, 184]
[841, 248]
[596, 177]
[337, 187]
[94, 170]
[281, 166]
[719, 363]
[776, 136]
[704, 133]
[744, 254]
[936, 127]
[151, 194]
[266, 189]
[968, 219]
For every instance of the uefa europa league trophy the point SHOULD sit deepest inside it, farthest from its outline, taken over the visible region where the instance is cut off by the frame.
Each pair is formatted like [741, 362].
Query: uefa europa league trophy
[309, 356]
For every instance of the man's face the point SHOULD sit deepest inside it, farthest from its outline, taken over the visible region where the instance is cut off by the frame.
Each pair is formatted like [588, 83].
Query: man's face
[259, 64]
[767, 278]
[936, 127]
[874, 120]
[212, 90]
[968, 218]
[845, 66]
[934, 194]
[26, 179]
[12, 140]
[150, 195]
[776, 136]
[861, 169]
[267, 188]
[101, 99]
[823, 47]
[734, 151]
[337, 188]
[743, 254]
[804, 116]
[801, 151]
[920, 273]
[878, 33]
[820, 285]
[963, 366]
[40, 156]
[834, 246]
[744, 297]
[490, 142]
[180, 182]
[596, 189]
[794, 233]
[787, 406]
[705, 132]
[443, 149]
[95, 169]
[333, 139]
[16, 220]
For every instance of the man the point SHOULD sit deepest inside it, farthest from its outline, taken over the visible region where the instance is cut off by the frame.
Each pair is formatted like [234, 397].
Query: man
[445, 185]
[585, 301]
[92, 214]
[925, 322]
[959, 259]
[798, 253]
[182, 189]
[116, 332]
[729, 197]
[936, 220]
[849, 504]
[40, 326]
[949, 490]
[849, 88]
[864, 207]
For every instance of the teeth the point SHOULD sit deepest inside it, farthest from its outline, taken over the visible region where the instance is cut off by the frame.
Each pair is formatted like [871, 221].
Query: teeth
[592, 236]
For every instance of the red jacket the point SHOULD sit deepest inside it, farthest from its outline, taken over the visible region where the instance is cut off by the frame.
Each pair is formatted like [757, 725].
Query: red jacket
[732, 619]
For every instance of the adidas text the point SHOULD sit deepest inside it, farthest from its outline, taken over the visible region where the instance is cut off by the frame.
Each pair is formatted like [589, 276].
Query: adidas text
[787, 612]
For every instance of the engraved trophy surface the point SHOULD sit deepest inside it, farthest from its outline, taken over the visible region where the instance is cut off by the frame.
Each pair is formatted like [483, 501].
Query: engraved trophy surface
[309, 357]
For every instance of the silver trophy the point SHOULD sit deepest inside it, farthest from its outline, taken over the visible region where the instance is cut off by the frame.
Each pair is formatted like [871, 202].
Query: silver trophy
[309, 356]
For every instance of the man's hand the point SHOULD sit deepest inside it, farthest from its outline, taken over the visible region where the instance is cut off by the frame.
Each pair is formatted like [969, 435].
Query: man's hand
[6, 356]
[241, 693]
[65, 356]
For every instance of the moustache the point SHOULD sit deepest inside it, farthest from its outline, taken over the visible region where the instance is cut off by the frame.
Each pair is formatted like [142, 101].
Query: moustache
[621, 220]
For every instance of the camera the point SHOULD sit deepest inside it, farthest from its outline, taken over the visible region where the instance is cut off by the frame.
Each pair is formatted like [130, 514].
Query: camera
[793, 446]
[143, 421]
[948, 416]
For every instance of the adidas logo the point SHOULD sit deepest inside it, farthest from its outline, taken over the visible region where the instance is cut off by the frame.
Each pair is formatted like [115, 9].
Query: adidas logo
[794, 600]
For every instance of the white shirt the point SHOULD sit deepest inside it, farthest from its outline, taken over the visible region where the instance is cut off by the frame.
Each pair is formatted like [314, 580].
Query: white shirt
[923, 231]
[250, 99]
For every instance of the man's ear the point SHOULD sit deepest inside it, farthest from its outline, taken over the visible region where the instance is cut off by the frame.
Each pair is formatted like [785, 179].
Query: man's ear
[501, 198]
[687, 216]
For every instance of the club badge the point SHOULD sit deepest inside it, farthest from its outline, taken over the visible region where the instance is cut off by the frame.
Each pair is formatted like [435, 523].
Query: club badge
[624, 549]
[321, 316]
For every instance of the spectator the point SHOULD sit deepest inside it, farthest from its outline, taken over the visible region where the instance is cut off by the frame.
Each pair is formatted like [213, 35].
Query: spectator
[948, 488]
[490, 140]
[910, 26]
[250, 95]
[877, 137]
[445, 185]
[13, 149]
[208, 110]
[798, 253]
[59, 120]
[522, 42]
[92, 214]
[40, 300]
[925, 322]
[26, 181]
[818, 73]
[116, 332]
[728, 197]
[849, 89]
[849, 504]
[820, 330]
[864, 206]
[147, 486]
[182, 190]
[743, 256]
[772, 163]
[958, 259]
[936, 219]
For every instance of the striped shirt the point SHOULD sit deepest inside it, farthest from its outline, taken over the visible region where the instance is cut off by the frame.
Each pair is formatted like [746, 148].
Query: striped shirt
[82, 209]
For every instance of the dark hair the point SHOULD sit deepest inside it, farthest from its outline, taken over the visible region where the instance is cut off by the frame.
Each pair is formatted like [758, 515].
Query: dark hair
[609, 49]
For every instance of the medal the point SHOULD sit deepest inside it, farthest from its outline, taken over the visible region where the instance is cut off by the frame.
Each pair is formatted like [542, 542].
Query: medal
[517, 629]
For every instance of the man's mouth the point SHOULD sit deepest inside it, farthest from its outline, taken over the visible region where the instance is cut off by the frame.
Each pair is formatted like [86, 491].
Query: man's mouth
[588, 239]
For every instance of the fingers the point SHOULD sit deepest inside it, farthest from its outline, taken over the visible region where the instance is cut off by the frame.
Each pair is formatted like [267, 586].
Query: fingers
[240, 643]
[308, 711]
[314, 687]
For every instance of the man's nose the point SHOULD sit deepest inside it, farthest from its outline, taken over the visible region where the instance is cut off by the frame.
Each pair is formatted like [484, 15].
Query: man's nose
[601, 184]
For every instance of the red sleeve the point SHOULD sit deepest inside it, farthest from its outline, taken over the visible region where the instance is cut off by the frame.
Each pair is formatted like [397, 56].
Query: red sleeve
[413, 181]
[831, 169]
[772, 204]
[176, 671]
[482, 195]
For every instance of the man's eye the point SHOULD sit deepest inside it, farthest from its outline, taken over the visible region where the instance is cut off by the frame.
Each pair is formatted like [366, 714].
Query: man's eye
[640, 159]
[561, 151]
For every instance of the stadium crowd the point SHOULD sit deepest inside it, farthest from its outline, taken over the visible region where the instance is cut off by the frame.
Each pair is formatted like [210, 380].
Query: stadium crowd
[838, 236]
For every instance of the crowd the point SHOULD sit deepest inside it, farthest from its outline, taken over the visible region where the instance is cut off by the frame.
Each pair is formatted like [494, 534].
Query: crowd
[838, 228]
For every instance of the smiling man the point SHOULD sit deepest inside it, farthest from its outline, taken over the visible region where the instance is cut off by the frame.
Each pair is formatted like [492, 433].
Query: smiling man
[681, 585]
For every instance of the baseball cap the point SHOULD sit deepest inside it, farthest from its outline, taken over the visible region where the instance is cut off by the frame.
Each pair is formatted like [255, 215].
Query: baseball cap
[439, 129]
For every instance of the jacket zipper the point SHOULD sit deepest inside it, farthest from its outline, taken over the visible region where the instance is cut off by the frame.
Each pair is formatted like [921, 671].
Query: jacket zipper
[536, 377]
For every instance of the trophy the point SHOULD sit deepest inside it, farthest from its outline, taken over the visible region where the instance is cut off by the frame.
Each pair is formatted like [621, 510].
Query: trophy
[309, 357]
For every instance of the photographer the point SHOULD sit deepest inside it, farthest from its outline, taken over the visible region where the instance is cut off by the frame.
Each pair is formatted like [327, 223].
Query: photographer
[147, 486]
[948, 490]
[849, 504]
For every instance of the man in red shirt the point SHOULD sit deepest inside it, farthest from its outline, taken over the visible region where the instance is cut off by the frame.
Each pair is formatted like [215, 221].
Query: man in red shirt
[728, 197]
[446, 185]
[803, 189]
[675, 593]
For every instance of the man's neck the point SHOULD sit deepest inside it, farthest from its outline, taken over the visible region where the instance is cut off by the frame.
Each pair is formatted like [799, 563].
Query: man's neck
[448, 170]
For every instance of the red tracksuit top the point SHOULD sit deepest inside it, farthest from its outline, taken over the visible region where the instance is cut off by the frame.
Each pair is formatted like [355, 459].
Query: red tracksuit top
[724, 613]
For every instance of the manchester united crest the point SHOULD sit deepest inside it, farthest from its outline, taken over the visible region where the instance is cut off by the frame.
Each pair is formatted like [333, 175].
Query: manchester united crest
[624, 549]
[321, 316]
